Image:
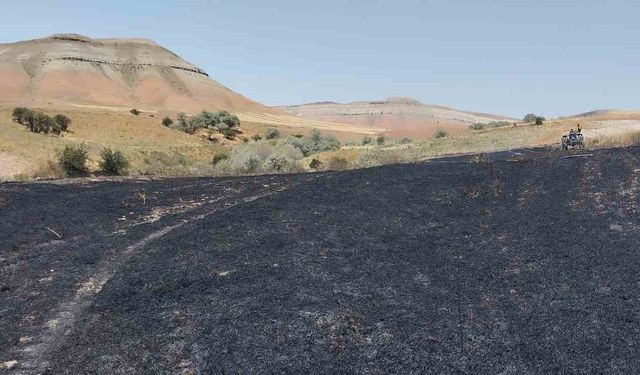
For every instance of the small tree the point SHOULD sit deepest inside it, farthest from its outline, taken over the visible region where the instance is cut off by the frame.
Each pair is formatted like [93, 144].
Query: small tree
[135, 112]
[73, 159]
[272, 134]
[540, 120]
[217, 158]
[228, 133]
[167, 122]
[19, 114]
[113, 162]
[62, 121]
[380, 140]
[530, 118]
[441, 133]
[38, 122]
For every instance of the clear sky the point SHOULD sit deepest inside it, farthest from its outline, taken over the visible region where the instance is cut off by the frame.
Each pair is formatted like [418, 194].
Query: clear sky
[553, 57]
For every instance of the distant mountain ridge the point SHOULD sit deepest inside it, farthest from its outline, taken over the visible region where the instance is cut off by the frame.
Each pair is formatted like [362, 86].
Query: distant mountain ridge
[398, 115]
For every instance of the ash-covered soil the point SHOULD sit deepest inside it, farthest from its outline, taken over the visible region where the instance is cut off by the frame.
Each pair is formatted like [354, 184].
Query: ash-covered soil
[513, 266]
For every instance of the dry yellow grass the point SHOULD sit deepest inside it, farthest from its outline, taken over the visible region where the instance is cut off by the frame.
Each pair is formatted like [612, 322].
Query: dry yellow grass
[154, 149]
[297, 124]
[145, 142]
[599, 132]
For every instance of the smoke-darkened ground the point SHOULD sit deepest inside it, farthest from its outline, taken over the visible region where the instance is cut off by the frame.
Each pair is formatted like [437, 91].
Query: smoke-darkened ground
[449, 267]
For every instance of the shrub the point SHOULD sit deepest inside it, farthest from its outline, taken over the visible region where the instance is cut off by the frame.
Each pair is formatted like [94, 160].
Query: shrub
[73, 159]
[194, 123]
[315, 164]
[228, 133]
[272, 134]
[55, 127]
[540, 120]
[530, 118]
[256, 137]
[63, 122]
[219, 157]
[228, 119]
[380, 140]
[441, 133]
[366, 141]
[167, 122]
[405, 141]
[261, 157]
[113, 162]
[19, 114]
[298, 135]
[477, 126]
[245, 139]
[135, 112]
[38, 122]
[183, 122]
[315, 143]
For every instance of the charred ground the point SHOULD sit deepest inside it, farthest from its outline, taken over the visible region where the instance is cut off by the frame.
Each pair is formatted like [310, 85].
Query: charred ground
[508, 266]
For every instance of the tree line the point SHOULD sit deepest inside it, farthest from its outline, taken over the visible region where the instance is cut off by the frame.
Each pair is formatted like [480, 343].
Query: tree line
[39, 122]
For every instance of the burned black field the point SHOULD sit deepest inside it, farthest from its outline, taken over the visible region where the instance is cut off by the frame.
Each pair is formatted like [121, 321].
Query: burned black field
[446, 267]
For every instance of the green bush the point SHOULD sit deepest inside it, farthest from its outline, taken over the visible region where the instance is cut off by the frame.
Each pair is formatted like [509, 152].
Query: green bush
[477, 126]
[298, 135]
[272, 134]
[113, 162]
[261, 157]
[167, 121]
[228, 133]
[256, 137]
[380, 140]
[366, 141]
[540, 120]
[530, 118]
[73, 159]
[62, 121]
[441, 133]
[135, 112]
[315, 143]
[19, 114]
[38, 122]
[219, 157]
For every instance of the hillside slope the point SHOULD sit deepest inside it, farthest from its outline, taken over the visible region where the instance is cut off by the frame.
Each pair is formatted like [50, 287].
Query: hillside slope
[399, 116]
[509, 267]
[70, 69]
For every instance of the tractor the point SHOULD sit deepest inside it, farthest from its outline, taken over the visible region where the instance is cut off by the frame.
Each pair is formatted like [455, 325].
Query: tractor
[572, 140]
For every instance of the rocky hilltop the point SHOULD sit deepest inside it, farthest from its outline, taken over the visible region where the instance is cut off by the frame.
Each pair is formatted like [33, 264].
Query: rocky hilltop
[400, 115]
[71, 69]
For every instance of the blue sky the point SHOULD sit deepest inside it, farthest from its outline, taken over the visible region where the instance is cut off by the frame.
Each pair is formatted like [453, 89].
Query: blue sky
[509, 57]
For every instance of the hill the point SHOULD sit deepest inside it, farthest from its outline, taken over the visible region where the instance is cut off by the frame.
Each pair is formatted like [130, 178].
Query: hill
[398, 116]
[446, 267]
[74, 70]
